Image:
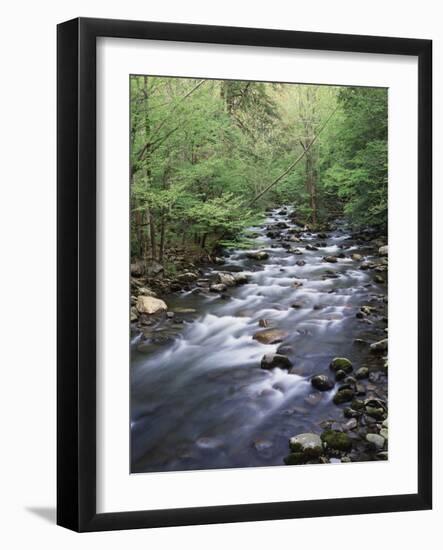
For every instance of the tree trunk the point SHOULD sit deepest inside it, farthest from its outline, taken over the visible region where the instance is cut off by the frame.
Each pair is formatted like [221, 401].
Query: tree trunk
[162, 239]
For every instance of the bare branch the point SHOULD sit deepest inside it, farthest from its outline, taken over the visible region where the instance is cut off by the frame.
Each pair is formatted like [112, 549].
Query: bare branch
[305, 150]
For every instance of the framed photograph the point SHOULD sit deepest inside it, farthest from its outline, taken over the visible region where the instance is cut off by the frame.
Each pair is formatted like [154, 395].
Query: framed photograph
[244, 274]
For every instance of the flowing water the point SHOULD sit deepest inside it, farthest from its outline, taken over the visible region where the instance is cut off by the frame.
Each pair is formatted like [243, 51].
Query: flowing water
[200, 400]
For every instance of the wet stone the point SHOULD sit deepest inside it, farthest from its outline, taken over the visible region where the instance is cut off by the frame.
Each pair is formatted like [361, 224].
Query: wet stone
[322, 382]
[341, 363]
[343, 396]
[275, 360]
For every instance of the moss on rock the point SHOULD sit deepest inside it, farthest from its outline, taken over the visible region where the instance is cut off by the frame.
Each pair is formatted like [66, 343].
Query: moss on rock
[336, 440]
[341, 363]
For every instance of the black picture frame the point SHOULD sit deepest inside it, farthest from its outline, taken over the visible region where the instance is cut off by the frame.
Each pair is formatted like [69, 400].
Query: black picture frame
[76, 265]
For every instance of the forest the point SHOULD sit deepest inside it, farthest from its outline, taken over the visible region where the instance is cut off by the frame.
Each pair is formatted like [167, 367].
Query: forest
[259, 274]
[209, 156]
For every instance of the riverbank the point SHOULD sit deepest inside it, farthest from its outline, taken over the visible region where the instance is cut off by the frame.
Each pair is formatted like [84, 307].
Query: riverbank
[257, 336]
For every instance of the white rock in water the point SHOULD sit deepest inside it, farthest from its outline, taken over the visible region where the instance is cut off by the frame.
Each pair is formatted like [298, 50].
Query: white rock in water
[240, 278]
[220, 287]
[226, 279]
[150, 305]
[383, 250]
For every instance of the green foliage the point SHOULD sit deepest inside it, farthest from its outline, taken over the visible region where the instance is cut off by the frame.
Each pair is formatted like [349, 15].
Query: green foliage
[359, 166]
[201, 150]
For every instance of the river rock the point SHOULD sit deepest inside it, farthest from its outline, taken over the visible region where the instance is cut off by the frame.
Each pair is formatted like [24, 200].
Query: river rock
[274, 360]
[380, 346]
[362, 372]
[218, 287]
[226, 279]
[343, 396]
[379, 279]
[145, 291]
[311, 247]
[240, 278]
[134, 314]
[153, 268]
[308, 444]
[378, 413]
[322, 382]
[383, 250]
[300, 263]
[137, 269]
[330, 259]
[270, 336]
[351, 424]
[150, 305]
[356, 257]
[340, 375]
[336, 440]
[260, 255]
[187, 277]
[349, 412]
[341, 363]
[377, 441]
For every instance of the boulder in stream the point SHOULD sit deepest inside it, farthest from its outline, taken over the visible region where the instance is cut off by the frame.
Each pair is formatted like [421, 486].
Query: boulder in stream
[259, 255]
[275, 360]
[226, 279]
[270, 336]
[383, 250]
[134, 314]
[309, 445]
[376, 441]
[241, 278]
[341, 363]
[362, 372]
[336, 440]
[150, 305]
[218, 287]
[322, 382]
[380, 346]
[343, 395]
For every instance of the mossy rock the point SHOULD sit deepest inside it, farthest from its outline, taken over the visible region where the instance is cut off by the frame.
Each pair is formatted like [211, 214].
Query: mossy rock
[340, 375]
[341, 363]
[362, 372]
[357, 404]
[343, 396]
[307, 444]
[336, 440]
[322, 382]
[294, 459]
